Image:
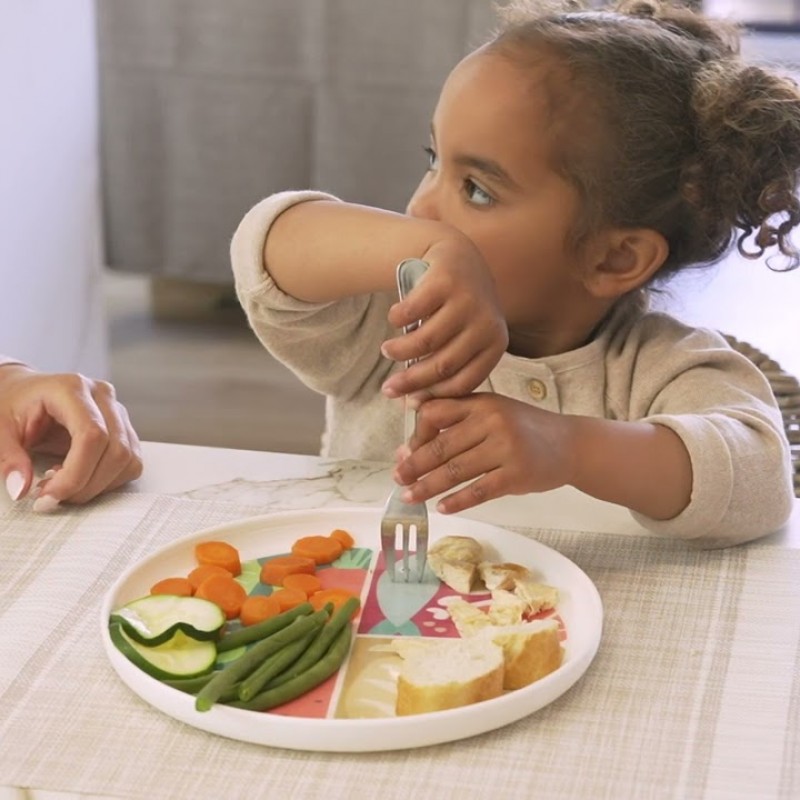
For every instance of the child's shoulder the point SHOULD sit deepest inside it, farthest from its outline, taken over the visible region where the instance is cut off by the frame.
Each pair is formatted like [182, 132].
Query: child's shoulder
[653, 349]
[656, 337]
[643, 327]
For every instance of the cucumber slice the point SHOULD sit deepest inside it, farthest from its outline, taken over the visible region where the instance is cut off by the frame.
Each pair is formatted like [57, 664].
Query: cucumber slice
[180, 657]
[155, 619]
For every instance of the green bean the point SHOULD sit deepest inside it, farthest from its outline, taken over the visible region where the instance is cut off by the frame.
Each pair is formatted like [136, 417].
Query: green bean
[189, 685]
[261, 630]
[320, 645]
[245, 664]
[307, 680]
[194, 685]
[272, 666]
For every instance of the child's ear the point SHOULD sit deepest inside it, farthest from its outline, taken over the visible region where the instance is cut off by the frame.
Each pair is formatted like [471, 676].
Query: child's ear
[624, 259]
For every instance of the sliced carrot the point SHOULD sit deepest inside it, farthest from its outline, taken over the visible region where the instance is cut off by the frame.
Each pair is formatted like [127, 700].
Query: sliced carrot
[289, 598]
[343, 537]
[220, 553]
[199, 574]
[276, 569]
[302, 581]
[322, 549]
[226, 592]
[336, 596]
[257, 608]
[179, 586]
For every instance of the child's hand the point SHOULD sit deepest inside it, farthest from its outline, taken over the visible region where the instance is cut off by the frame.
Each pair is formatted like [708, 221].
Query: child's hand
[463, 335]
[497, 445]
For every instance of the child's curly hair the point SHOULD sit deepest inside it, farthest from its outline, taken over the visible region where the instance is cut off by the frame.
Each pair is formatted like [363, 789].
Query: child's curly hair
[663, 125]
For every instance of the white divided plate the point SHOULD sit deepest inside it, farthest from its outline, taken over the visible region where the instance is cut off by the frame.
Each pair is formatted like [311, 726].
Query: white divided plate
[579, 609]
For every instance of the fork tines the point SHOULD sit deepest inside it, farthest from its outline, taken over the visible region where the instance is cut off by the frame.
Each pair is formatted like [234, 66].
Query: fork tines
[412, 520]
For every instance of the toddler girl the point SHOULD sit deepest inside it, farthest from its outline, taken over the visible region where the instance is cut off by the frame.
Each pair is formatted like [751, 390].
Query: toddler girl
[576, 160]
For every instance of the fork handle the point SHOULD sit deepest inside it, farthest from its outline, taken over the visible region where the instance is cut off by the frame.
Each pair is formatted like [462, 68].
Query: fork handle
[409, 273]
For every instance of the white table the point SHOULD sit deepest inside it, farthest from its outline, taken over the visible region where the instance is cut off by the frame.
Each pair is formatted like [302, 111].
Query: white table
[232, 474]
[694, 692]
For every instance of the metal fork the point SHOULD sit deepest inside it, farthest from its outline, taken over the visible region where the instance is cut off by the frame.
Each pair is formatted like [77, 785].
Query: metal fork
[410, 518]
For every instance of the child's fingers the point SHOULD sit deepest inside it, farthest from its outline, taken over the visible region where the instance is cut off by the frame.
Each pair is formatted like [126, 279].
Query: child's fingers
[422, 341]
[437, 415]
[488, 487]
[437, 377]
[476, 331]
[422, 303]
[458, 470]
[454, 370]
[445, 433]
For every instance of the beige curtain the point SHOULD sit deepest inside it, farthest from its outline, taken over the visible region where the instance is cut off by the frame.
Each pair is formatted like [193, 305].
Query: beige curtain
[209, 105]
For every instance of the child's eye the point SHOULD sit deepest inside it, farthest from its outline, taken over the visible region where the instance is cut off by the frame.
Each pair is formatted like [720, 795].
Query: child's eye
[476, 195]
[433, 161]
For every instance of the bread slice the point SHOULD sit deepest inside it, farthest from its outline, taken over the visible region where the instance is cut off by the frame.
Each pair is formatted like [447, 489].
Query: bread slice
[537, 596]
[501, 576]
[449, 673]
[506, 608]
[531, 650]
[467, 618]
[454, 560]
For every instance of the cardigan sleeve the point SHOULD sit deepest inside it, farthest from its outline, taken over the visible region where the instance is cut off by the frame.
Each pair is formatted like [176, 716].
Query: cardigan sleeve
[722, 407]
[334, 348]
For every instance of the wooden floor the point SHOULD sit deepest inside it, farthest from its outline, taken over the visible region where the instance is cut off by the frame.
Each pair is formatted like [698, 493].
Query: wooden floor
[190, 371]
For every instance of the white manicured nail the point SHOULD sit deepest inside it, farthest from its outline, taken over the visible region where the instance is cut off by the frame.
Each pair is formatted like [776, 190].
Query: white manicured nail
[15, 481]
[45, 504]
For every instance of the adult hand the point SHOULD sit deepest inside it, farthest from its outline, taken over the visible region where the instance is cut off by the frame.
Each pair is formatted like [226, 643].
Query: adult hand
[69, 416]
[493, 444]
[464, 332]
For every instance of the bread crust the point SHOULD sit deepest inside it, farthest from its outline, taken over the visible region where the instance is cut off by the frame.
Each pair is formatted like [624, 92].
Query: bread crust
[528, 656]
[498, 652]
[454, 560]
[413, 699]
[502, 575]
[427, 679]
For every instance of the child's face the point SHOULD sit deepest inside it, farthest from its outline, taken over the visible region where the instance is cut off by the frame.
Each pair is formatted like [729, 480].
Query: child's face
[491, 178]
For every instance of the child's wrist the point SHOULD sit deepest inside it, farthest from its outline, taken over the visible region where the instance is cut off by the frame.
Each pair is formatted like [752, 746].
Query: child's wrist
[447, 241]
[572, 441]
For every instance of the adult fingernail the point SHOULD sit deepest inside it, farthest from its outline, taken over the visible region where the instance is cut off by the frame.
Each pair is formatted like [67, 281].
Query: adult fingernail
[15, 482]
[45, 504]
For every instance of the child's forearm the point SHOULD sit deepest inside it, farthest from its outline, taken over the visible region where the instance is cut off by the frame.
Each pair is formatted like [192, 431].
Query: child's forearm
[642, 466]
[321, 250]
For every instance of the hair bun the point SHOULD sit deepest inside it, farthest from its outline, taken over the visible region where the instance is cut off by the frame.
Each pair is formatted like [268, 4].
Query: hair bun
[748, 130]
[722, 38]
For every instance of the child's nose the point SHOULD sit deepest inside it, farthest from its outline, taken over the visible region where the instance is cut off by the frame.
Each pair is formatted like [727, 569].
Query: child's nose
[423, 202]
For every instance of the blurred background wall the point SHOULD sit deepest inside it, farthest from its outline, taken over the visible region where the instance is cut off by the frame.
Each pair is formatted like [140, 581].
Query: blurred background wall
[51, 303]
[208, 107]
[136, 133]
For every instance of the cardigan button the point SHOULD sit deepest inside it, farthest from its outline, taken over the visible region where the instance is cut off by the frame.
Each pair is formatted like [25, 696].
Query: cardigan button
[537, 389]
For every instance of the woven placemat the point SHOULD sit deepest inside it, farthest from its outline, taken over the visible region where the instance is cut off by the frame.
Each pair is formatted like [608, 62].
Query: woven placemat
[695, 689]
